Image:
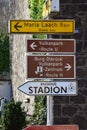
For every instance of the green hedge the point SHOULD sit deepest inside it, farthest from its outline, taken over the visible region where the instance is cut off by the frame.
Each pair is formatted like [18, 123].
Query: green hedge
[13, 116]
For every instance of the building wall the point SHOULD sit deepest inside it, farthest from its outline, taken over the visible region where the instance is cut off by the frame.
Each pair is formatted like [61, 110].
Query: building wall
[73, 109]
[18, 45]
[4, 16]
[16, 9]
[5, 83]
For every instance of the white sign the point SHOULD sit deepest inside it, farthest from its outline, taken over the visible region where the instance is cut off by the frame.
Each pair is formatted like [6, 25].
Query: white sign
[49, 88]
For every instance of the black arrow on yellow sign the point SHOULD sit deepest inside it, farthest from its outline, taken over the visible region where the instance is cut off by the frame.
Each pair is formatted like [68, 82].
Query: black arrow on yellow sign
[41, 26]
[17, 26]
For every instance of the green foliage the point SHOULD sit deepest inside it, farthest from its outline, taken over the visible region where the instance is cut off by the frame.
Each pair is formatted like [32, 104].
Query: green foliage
[13, 116]
[39, 36]
[4, 52]
[34, 10]
[36, 7]
[40, 7]
[39, 116]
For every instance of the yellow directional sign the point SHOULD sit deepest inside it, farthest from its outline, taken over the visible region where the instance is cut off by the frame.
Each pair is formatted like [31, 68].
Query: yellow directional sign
[42, 26]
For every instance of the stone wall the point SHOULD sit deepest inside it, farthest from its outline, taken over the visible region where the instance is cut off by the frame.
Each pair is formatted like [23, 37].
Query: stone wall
[73, 109]
[18, 62]
[4, 14]
[16, 9]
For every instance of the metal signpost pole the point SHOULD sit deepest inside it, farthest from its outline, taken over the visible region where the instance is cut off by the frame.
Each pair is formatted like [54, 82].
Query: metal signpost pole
[49, 104]
[49, 110]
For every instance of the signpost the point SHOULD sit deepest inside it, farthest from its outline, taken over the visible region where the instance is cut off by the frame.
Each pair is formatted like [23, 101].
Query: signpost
[49, 66]
[42, 26]
[65, 88]
[54, 67]
[54, 127]
[51, 45]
